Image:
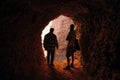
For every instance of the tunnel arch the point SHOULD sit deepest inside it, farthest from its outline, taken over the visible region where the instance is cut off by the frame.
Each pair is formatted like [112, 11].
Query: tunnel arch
[61, 25]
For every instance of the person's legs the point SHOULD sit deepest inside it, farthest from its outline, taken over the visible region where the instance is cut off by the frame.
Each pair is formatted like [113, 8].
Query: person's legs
[68, 61]
[48, 57]
[52, 56]
[72, 64]
[68, 53]
[68, 64]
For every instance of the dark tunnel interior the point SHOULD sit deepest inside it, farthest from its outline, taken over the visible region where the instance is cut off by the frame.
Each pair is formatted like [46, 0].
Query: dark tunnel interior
[21, 26]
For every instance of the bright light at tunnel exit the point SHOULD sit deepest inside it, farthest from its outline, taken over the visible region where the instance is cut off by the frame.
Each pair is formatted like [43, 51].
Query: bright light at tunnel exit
[61, 28]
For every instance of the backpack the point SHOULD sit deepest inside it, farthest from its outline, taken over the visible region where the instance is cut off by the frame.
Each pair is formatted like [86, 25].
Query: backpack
[77, 47]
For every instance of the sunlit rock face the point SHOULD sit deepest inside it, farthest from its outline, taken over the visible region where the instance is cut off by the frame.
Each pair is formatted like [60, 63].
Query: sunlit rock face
[61, 27]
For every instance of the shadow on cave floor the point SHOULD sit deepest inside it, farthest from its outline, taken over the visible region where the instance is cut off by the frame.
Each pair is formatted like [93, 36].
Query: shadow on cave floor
[58, 73]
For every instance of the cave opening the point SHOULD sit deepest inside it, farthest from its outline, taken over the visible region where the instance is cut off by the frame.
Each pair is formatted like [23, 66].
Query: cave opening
[61, 26]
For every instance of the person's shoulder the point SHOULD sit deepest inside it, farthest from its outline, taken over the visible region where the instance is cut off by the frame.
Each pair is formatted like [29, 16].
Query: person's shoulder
[54, 34]
[47, 34]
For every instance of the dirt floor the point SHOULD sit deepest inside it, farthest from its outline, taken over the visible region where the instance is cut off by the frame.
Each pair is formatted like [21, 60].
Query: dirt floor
[58, 73]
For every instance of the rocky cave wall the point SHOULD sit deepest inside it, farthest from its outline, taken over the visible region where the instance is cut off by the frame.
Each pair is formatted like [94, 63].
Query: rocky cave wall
[98, 43]
[23, 21]
[100, 40]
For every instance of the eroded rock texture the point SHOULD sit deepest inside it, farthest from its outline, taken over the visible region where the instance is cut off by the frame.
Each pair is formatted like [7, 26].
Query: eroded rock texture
[21, 24]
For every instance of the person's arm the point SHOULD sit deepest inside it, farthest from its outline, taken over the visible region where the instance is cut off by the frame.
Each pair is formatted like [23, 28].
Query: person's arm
[68, 36]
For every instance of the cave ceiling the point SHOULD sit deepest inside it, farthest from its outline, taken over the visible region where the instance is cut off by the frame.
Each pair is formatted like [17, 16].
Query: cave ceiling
[67, 7]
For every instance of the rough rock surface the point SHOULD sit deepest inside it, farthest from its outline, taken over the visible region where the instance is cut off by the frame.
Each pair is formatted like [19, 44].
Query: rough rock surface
[21, 24]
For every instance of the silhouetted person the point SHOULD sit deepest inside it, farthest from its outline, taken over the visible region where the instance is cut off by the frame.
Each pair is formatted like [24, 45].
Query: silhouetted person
[71, 37]
[49, 43]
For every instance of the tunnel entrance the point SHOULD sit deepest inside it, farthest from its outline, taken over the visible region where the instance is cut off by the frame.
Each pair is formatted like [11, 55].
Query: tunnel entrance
[61, 26]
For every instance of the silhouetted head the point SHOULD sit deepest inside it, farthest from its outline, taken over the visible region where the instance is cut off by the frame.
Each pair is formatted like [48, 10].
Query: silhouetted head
[72, 26]
[51, 30]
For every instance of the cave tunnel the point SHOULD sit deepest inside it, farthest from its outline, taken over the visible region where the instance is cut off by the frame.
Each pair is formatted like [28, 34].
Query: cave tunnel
[61, 26]
[22, 23]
